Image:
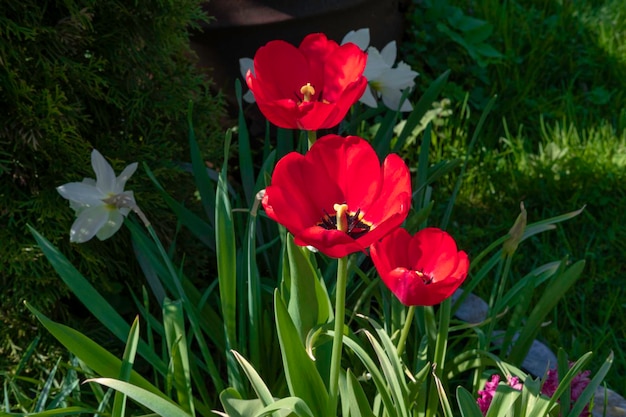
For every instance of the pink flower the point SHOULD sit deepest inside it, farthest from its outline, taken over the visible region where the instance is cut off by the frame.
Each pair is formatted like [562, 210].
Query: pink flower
[578, 385]
[486, 395]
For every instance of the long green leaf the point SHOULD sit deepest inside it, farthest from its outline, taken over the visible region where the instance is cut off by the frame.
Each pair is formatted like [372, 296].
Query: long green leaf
[119, 401]
[59, 412]
[255, 379]
[200, 176]
[227, 265]
[198, 227]
[293, 404]
[303, 379]
[92, 354]
[235, 406]
[245, 153]
[467, 403]
[92, 299]
[146, 398]
[553, 293]
[589, 392]
[174, 325]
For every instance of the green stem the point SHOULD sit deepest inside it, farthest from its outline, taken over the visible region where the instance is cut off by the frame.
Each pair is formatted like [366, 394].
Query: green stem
[312, 136]
[439, 357]
[405, 330]
[340, 312]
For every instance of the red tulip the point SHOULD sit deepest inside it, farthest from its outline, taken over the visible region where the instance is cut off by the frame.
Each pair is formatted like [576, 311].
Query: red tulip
[337, 198]
[423, 269]
[310, 87]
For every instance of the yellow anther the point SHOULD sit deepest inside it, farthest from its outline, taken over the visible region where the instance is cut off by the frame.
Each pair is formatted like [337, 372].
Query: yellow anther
[342, 217]
[307, 91]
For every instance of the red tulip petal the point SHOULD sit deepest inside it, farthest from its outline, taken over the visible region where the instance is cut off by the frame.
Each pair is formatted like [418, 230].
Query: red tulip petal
[343, 67]
[352, 163]
[434, 253]
[305, 191]
[316, 48]
[332, 243]
[280, 71]
[391, 252]
[395, 194]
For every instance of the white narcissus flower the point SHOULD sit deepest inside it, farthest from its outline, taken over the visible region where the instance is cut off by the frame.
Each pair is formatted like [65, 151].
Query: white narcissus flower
[360, 38]
[386, 81]
[100, 204]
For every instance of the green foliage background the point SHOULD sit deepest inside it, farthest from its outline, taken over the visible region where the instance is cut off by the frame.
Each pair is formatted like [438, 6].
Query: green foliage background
[113, 75]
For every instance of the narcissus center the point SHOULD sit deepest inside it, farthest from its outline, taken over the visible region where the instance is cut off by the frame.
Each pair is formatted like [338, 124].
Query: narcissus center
[344, 220]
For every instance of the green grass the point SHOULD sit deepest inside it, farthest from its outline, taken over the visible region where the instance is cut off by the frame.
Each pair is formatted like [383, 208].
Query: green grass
[556, 140]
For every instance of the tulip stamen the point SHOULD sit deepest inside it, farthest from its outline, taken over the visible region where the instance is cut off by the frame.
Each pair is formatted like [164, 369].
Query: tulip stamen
[351, 223]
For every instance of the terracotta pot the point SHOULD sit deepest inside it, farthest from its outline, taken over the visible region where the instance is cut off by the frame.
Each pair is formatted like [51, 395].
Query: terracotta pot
[242, 26]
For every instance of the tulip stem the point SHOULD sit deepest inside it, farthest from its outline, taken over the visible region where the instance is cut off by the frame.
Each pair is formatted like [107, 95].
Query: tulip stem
[405, 330]
[340, 312]
[439, 356]
[312, 136]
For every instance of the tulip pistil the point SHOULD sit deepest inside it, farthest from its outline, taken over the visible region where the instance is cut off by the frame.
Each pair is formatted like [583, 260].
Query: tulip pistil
[426, 278]
[307, 91]
[351, 223]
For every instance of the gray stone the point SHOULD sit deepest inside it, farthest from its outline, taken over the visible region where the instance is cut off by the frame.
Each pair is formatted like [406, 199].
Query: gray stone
[473, 310]
[615, 404]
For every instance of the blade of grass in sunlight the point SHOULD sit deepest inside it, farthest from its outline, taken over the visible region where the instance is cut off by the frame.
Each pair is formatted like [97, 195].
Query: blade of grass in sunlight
[470, 148]
[419, 110]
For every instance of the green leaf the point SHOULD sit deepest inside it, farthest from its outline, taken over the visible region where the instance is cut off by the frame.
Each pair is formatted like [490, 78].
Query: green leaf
[198, 227]
[420, 109]
[156, 403]
[68, 411]
[91, 299]
[119, 401]
[467, 403]
[93, 355]
[227, 264]
[503, 401]
[589, 392]
[255, 379]
[397, 386]
[308, 303]
[551, 296]
[235, 406]
[303, 379]
[377, 377]
[245, 154]
[293, 404]
[174, 325]
[201, 178]
[356, 398]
